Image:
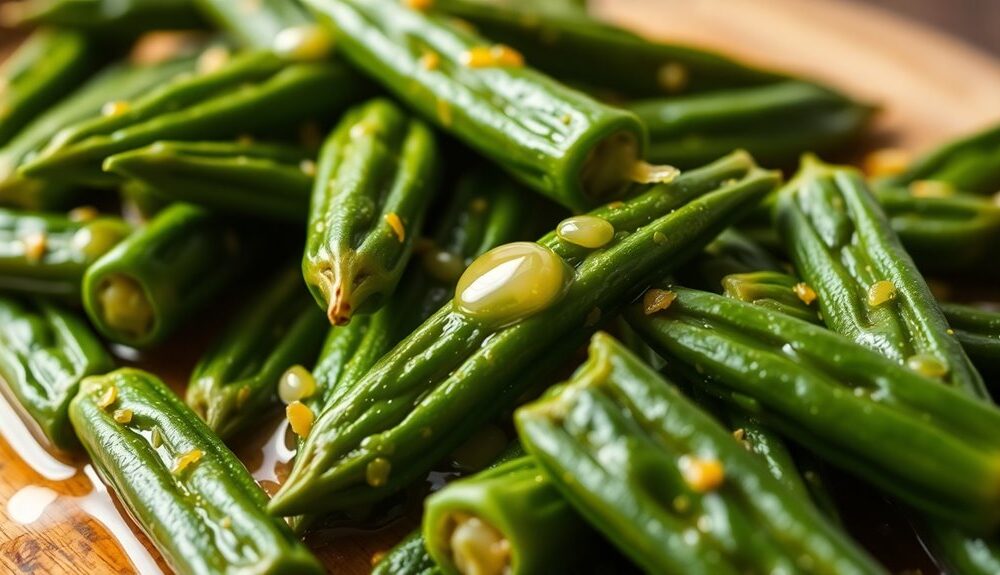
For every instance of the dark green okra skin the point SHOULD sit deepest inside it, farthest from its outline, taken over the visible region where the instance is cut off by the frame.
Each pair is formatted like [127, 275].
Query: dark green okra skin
[236, 382]
[842, 244]
[259, 89]
[120, 81]
[979, 332]
[521, 506]
[773, 290]
[927, 444]
[556, 140]
[271, 181]
[408, 557]
[47, 254]
[127, 18]
[615, 439]
[142, 290]
[45, 351]
[953, 234]
[776, 123]
[562, 42]
[969, 164]
[455, 371]
[256, 28]
[731, 252]
[188, 492]
[47, 65]
[378, 173]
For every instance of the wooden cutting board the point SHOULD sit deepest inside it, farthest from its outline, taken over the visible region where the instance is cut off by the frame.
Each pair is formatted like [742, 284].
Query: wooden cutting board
[58, 519]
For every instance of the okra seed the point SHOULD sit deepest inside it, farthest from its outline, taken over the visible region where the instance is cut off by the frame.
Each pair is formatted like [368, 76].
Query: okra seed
[124, 306]
[881, 292]
[512, 282]
[586, 231]
[478, 547]
[296, 384]
[377, 471]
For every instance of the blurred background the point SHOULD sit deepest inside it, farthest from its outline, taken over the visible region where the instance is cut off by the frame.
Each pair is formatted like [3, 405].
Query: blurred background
[976, 21]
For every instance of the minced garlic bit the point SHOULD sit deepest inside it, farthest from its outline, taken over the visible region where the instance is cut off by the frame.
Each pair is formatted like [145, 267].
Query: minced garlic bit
[927, 365]
[300, 418]
[308, 167]
[430, 60]
[108, 398]
[420, 5]
[881, 292]
[213, 59]
[655, 300]
[931, 189]
[377, 471]
[495, 56]
[702, 475]
[83, 214]
[187, 460]
[739, 434]
[35, 245]
[887, 162]
[645, 173]
[296, 384]
[123, 416]
[116, 108]
[672, 77]
[805, 293]
[397, 226]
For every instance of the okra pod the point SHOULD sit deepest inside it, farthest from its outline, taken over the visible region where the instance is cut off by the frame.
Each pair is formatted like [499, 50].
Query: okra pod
[508, 519]
[142, 290]
[978, 330]
[562, 42]
[969, 164]
[478, 353]
[259, 89]
[261, 180]
[867, 286]
[667, 484]
[44, 68]
[45, 351]
[773, 290]
[47, 254]
[776, 123]
[259, 26]
[408, 557]
[556, 140]
[732, 252]
[190, 494]
[378, 173]
[119, 81]
[951, 234]
[930, 445]
[237, 380]
[118, 17]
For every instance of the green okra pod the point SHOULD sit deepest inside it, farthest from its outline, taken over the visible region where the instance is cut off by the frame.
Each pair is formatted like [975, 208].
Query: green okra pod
[867, 286]
[259, 89]
[667, 484]
[408, 557]
[477, 354]
[44, 68]
[776, 123]
[237, 380]
[190, 494]
[556, 140]
[377, 174]
[47, 254]
[928, 444]
[978, 330]
[562, 42]
[951, 234]
[507, 519]
[270, 181]
[773, 290]
[260, 26]
[116, 17]
[969, 164]
[120, 81]
[45, 351]
[142, 290]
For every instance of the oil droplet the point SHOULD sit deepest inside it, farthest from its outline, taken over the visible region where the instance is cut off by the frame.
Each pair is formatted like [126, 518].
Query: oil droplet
[377, 471]
[927, 365]
[586, 231]
[296, 384]
[511, 282]
[29, 503]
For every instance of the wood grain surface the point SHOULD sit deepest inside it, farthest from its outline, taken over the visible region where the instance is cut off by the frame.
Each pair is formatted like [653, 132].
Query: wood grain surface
[57, 519]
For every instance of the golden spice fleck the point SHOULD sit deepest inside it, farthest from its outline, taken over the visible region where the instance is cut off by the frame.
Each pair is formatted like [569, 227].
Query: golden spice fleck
[35, 246]
[881, 292]
[187, 460]
[108, 398]
[397, 226]
[116, 108]
[887, 162]
[301, 418]
[123, 416]
[421, 5]
[702, 475]
[430, 60]
[495, 56]
[656, 300]
[805, 293]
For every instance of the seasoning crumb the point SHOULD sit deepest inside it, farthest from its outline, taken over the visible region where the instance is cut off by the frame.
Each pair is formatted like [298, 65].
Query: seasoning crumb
[887, 162]
[881, 292]
[301, 418]
[495, 56]
[116, 108]
[187, 460]
[656, 300]
[108, 398]
[397, 226]
[805, 293]
[702, 475]
[430, 60]
[739, 434]
[123, 416]
[35, 246]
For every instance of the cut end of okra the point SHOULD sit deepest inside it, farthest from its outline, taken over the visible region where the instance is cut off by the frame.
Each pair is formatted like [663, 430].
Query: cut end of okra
[124, 307]
[475, 546]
